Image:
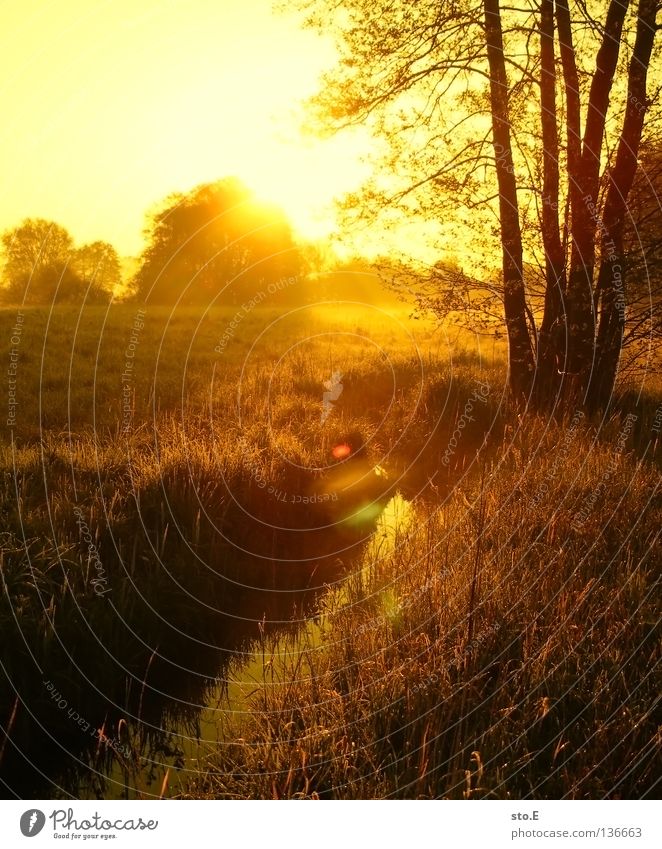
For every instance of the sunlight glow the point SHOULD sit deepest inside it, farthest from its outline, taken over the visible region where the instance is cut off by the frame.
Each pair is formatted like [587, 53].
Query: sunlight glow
[110, 107]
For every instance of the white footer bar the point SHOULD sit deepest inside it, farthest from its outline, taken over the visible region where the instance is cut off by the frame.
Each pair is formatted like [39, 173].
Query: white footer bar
[332, 825]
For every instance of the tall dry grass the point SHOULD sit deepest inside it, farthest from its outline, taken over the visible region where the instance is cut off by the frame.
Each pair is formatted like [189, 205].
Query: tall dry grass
[500, 649]
[496, 649]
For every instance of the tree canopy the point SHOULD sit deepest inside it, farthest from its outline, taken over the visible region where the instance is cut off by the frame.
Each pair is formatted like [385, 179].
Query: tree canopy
[98, 266]
[516, 128]
[42, 265]
[214, 244]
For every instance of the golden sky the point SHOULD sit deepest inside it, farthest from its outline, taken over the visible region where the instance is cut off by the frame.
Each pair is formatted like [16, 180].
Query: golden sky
[109, 106]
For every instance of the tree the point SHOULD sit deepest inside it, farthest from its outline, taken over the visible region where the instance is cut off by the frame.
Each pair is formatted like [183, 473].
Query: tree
[214, 244]
[37, 254]
[42, 265]
[98, 266]
[643, 257]
[530, 117]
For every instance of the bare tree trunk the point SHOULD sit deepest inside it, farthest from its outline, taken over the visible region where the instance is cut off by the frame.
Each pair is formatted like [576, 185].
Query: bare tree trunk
[580, 329]
[574, 169]
[547, 375]
[572, 100]
[611, 278]
[520, 348]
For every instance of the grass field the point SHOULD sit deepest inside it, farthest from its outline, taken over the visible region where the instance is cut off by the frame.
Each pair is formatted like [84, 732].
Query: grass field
[171, 505]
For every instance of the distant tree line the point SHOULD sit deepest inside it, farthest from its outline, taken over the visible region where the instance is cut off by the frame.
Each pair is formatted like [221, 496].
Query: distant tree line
[41, 265]
[216, 245]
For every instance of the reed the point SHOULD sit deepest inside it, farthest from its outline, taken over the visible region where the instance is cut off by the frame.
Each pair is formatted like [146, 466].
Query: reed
[501, 647]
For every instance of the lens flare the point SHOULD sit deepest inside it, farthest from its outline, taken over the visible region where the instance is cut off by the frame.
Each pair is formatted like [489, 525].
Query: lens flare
[341, 451]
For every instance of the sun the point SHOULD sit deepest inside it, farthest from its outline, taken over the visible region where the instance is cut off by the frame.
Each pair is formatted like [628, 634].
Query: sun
[305, 180]
[114, 109]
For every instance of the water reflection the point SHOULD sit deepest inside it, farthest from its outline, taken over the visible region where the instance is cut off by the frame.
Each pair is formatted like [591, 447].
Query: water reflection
[394, 522]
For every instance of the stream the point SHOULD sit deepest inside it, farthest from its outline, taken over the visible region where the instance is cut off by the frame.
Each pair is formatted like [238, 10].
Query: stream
[184, 715]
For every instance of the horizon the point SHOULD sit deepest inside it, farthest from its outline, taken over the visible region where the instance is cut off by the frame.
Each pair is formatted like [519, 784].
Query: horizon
[150, 106]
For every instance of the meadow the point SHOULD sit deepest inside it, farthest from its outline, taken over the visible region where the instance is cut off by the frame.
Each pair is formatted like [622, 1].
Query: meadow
[174, 508]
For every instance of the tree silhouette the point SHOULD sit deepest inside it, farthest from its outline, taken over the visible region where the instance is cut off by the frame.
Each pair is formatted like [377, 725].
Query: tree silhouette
[98, 267]
[42, 266]
[643, 255]
[214, 244]
[528, 117]
[36, 262]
